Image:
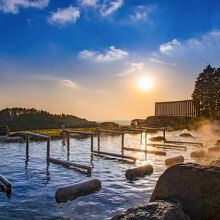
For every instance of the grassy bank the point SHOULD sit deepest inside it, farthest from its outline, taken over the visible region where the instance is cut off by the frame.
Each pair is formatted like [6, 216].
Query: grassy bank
[50, 132]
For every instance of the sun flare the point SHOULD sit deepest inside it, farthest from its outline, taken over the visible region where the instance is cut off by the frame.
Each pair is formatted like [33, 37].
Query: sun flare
[145, 83]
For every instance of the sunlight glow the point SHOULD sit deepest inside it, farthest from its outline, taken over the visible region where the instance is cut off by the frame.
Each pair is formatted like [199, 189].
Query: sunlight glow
[145, 83]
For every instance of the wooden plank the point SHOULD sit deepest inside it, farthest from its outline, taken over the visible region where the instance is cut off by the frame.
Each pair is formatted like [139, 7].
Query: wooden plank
[37, 135]
[173, 147]
[115, 155]
[67, 163]
[185, 142]
[80, 132]
[153, 129]
[167, 145]
[162, 153]
[133, 129]
[110, 131]
[6, 183]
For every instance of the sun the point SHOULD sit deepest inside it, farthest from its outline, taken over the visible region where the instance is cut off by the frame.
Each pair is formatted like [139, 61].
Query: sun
[145, 83]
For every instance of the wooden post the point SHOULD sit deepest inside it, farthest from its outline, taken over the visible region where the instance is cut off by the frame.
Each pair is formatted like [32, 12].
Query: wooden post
[122, 141]
[68, 140]
[68, 145]
[141, 137]
[92, 136]
[145, 137]
[164, 131]
[27, 146]
[48, 147]
[98, 141]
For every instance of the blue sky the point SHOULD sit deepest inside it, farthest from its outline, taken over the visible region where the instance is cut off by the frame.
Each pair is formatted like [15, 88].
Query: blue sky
[84, 57]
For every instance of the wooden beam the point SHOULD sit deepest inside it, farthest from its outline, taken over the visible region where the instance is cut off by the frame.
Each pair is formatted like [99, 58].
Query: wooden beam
[37, 135]
[185, 142]
[167, 145]
[133, 129]
[6, 183]
[110, 131]
[115, 155]
[162, 153]
[153, 129]
[67, 163]
[80, 132]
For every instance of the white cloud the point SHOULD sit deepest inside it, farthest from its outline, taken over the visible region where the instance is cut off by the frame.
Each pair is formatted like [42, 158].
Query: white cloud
[142, 12]
[63, 16]
[12, 6]
[138, 66]
[158, 61]
[87, 54]
[68, 84]
[134, 67]
[167, 47]
[107, 9]
[89, 2]
[110, 55]
[194, 51]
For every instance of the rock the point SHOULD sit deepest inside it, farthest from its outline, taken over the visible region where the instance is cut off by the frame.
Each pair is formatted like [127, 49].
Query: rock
[174, 160]
[157, 138]
[4, 131]
[197, 153]
[11, 139]
[109, 125]
[158, 210]
[197, 187]
[185, 135]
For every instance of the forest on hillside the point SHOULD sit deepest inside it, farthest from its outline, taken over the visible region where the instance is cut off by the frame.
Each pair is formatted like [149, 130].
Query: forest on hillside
[21, 119]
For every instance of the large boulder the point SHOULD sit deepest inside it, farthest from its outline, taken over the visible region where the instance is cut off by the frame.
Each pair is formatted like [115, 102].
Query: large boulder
[159, 210]
[109, 125]
[6, 139]
[4, 131]
[197, 187]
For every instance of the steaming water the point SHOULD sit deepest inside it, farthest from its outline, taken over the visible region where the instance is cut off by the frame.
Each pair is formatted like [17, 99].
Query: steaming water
[35, 182]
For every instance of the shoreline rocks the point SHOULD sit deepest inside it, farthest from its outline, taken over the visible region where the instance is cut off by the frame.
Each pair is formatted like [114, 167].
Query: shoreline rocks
[183, 191]
[197, 187]
[6, 139]
[157, 138]
[158, 210]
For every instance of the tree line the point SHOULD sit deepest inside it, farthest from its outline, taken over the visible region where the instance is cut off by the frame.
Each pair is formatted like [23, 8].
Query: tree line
[206, 94]
[21, 119]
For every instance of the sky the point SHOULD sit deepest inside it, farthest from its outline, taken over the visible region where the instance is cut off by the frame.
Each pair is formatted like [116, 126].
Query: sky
[86, 57]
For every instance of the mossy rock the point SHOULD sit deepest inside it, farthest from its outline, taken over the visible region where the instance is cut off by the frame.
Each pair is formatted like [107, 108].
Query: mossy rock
[185, 135]
[157, 138]
[4, 131]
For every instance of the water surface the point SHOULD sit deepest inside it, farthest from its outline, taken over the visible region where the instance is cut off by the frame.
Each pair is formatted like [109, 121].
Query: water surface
[35, 182]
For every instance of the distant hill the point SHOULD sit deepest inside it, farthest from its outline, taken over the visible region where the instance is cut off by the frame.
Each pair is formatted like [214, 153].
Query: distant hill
[21, 119]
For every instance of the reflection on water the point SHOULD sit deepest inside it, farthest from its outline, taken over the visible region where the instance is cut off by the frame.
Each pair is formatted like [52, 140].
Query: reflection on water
[35, 181]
